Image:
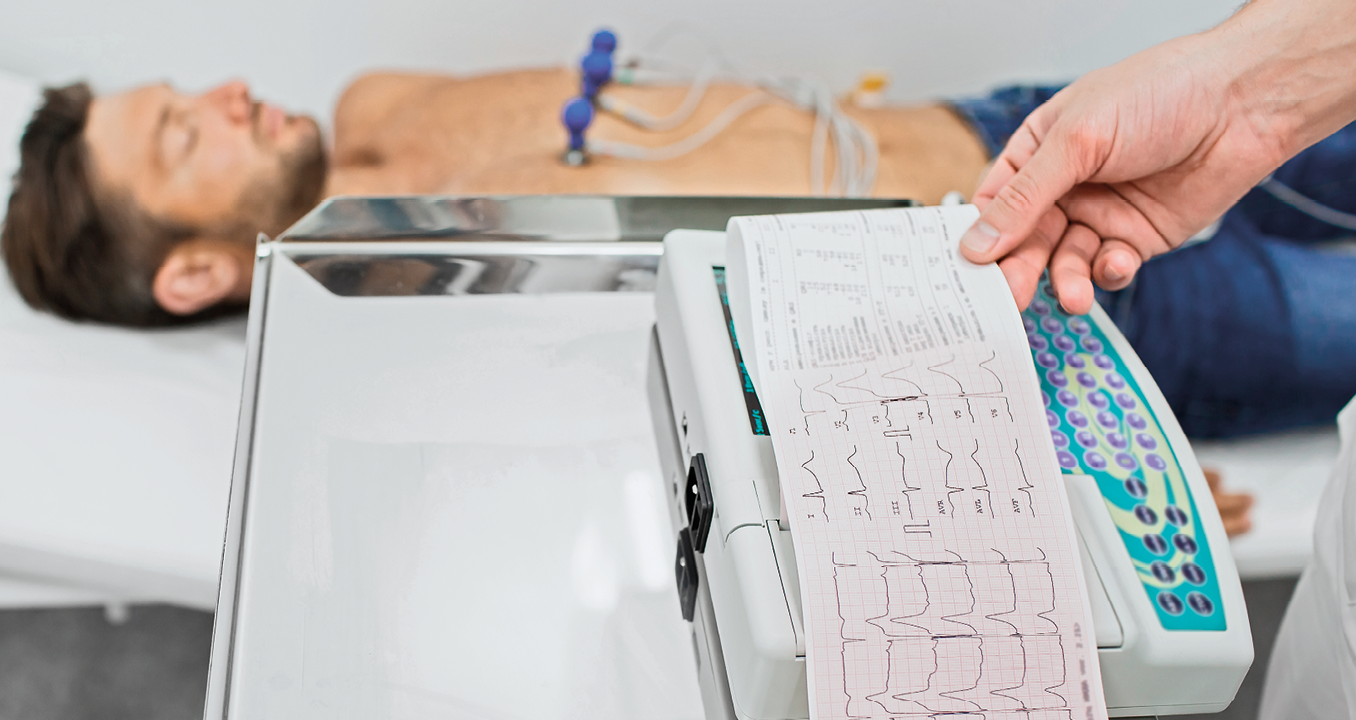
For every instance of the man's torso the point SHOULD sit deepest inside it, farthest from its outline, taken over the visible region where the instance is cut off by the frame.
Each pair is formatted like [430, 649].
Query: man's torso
[501, 134]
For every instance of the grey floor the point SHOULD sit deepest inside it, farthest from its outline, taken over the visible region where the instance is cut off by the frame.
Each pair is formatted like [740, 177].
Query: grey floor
[1266, 600]
[73, 664]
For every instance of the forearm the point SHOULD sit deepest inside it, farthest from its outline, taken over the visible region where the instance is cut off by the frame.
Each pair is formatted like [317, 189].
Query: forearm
[1290, 68]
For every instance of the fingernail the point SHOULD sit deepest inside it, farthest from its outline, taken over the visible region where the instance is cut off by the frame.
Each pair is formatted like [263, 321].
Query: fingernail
[1112, 273]
[980, 238]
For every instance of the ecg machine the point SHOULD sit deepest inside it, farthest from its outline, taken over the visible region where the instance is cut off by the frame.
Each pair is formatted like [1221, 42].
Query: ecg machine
[1170, 623]
[365, 569]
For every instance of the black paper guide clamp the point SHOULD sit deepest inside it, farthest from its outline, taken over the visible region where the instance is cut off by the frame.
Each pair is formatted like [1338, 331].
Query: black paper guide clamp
[700, 508]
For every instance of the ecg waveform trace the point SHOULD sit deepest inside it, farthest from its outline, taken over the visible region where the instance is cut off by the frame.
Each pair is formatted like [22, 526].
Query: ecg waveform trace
[939, 574]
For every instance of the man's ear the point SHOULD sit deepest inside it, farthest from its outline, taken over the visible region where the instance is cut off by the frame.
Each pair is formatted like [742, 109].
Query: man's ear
[197, 274]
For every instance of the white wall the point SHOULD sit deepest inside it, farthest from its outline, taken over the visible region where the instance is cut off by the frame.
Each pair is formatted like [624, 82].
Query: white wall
[301, 53]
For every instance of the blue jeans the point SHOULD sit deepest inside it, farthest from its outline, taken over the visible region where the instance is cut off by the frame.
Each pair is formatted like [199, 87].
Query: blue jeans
[1253, 330]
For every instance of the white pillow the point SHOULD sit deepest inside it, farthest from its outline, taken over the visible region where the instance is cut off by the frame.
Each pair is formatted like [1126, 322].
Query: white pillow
[19, 97]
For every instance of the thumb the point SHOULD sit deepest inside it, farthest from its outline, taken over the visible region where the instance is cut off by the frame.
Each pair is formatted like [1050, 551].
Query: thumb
[1030, 190]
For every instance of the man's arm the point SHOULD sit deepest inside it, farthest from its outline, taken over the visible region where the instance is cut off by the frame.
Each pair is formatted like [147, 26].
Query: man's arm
[1131, 160]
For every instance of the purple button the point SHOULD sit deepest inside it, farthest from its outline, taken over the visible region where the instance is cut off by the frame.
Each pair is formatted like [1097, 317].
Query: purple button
[1060, 439]
[1056, 378]
[1103, 362]
[1037, 342]
[1136, 421]
[1126, 461]
[1170, 603]
[1067, 460]
[1155, 544]
[1028, 323]
[1094, 460]
[1092, 344]
[1052, 325]
[1146, 514]
[1045, 398]
[1185, 543]
[1175, 516]
[1098, 400]
[1193, 573]
[1085, 438]
[1137, 489]
[1200, 603]
[1076, 418]
[1040, 307]
[1116, 440]
[1063, 342]
[1074, 362]
[1125, 400]
[1052, 418]
[1155, 462]
[1079, 325]
[1146, 441]
[1114, 380]
[1162, 571]
[1087, 380]
[1107, 420]
[1045, 359]
[1066, 398]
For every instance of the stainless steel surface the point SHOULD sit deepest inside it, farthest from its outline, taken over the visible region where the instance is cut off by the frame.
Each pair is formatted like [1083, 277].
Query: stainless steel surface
[543, 217]
[478, 246]
[479, 268]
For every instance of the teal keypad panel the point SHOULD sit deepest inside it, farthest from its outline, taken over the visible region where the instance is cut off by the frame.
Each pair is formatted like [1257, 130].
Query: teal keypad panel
[1102, 427]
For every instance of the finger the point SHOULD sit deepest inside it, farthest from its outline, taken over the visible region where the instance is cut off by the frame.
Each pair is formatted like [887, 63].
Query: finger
[1111, 215]
[1234, 527]
[1233, 503]
[1071, 268]
[1018, 152]
[1016, 208]
[1115, 265]
[1024, 266]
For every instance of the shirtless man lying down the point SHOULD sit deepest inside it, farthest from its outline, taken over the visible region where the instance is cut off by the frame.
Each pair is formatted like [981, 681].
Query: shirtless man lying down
[141, 208]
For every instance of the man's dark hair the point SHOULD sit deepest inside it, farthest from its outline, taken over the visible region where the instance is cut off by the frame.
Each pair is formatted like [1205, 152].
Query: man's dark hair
[72, 248]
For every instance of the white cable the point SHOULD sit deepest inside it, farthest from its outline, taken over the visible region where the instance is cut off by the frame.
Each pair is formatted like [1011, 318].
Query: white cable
[731, 113]
[856, 155]
[1308, 205]
[633, 114]
[818, 139]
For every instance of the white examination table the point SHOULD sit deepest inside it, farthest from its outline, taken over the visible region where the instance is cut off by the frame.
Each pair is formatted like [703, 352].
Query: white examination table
[115, 458]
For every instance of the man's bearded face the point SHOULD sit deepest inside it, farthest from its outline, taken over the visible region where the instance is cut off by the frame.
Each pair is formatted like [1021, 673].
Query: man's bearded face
[218, 163]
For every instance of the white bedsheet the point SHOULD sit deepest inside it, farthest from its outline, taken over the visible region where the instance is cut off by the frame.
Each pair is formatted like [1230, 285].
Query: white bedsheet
[1286, 474]
[115, 453]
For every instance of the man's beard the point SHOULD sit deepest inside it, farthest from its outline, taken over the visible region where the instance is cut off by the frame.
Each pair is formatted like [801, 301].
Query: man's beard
[303, 182]
[273, 206]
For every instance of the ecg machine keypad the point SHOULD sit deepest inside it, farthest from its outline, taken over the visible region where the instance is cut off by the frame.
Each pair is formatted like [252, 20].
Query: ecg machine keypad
[1101, 426]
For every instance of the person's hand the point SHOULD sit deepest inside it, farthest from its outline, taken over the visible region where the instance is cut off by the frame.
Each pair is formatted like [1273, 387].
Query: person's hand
[1124, 164]
[1233, 507]
[1131, 160]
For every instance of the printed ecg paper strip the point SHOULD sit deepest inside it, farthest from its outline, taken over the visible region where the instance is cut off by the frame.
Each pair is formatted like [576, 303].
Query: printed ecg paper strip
[938, 569]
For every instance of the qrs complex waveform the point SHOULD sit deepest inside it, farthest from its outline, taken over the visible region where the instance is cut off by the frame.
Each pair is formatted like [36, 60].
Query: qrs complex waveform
[949, 636]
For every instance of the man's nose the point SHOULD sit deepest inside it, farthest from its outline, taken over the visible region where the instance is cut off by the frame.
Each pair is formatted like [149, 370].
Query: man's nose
[233, 99]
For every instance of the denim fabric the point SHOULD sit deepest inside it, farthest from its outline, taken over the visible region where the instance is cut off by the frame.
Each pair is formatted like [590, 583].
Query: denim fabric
[1253, 330]
[996, 116]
